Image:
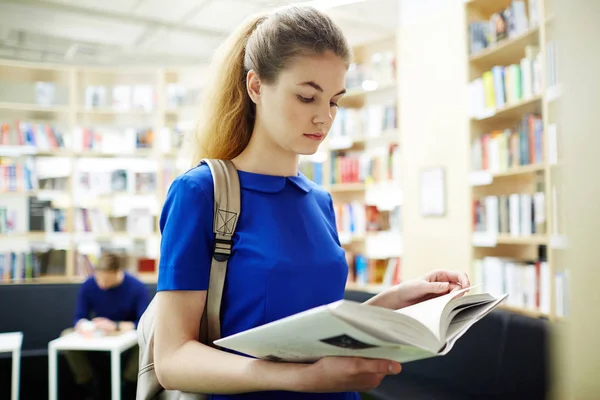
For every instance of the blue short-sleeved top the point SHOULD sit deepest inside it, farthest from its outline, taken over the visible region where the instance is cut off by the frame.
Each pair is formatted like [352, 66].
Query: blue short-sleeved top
[286, 253]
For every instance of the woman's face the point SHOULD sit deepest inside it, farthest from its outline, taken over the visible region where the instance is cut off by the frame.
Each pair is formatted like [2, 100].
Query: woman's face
[297, 111]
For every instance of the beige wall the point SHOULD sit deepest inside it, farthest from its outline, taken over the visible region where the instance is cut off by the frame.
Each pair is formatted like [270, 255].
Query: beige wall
[434, 132]
[577, 360]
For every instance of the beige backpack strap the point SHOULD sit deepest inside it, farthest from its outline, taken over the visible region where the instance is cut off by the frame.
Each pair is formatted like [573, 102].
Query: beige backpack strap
[226, 213]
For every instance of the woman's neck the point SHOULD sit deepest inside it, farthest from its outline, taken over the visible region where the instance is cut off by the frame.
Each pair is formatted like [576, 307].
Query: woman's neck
[264, 156]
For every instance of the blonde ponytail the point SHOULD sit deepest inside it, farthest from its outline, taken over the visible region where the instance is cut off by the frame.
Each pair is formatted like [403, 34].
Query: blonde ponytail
[226, 119]
[266, 44]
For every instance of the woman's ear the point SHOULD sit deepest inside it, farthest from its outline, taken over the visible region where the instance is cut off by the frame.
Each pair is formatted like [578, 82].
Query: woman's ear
[253, 85]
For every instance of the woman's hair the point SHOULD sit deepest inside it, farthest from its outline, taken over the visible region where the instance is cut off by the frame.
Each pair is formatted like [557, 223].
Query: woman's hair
[267, 44]
[110, 262]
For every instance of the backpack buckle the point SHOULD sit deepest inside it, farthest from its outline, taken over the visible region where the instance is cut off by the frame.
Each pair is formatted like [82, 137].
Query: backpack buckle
[222, 249]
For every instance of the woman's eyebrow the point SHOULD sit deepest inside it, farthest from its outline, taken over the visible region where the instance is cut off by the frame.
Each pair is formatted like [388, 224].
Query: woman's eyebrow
[319, 88]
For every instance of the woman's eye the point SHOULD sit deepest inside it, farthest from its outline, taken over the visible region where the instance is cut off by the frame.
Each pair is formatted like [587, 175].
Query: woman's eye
[334, 104]
[306, 99]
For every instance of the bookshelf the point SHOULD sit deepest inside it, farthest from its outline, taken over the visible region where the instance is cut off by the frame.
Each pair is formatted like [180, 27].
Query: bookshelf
[359, 164]
[513, 92]
[86, 157]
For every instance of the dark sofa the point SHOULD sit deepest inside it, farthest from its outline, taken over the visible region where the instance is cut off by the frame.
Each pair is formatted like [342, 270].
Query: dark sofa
[504, 356]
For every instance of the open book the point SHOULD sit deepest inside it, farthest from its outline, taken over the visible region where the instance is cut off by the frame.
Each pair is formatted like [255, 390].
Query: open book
[348, 328]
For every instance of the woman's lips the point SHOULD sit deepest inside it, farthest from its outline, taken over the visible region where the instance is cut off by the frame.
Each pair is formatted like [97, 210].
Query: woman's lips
[315, 135]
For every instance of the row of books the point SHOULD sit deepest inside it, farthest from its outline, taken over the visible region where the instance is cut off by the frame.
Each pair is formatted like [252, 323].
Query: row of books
[357, 218]
[500, 150]
[115, 181]
[507, 23]
[137, 222]
[121, 97]
[313, 170]
[515, 214]
[17, 175]
[379, 70]
[32, 215]
[505, 85]
[38, 135]
[34, 263]
[109, 139]
[53, 184]
[358, 123]
[376, 165]
[369, 271]
[528, 283]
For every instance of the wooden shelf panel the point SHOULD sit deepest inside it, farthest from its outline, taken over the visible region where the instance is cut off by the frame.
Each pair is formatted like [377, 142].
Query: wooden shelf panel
[355, 97]
[34, 108]
[512, 112]
[107, 111]
[347, 187]
[506, 52]
[487, 7]
[481, 239]
[480, 178]
[43, 280]
[524, 311]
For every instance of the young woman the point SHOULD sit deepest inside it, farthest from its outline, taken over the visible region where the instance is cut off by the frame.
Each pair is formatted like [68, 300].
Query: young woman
[274, 96]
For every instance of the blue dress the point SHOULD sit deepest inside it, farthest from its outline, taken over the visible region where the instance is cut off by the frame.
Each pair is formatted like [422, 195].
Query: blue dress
[286, 253]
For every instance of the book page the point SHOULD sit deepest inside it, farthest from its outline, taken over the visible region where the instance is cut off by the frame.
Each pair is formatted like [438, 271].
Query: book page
[466, 318]
[430, 312]
[309, 336]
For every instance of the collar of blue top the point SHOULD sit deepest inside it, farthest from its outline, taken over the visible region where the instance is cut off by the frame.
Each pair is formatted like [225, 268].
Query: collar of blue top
[272, 183]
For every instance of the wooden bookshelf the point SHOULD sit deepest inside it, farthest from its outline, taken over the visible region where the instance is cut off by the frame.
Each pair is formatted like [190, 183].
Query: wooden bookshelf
[527, 48]
[358, 138]
[513, 111]
[506, 51]
[69, 111]
[526, 312]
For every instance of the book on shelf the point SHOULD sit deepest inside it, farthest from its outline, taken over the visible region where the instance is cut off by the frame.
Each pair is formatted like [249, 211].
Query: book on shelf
[500, 150]
[38, 261]
[363, 270]
[361, 123]
[379, 164]
[504, 85]
[313, 170]
[526, 282]
[39, 136]
[112, 140]
[504, 24]
[124, 98]
[515, 214]
[346, 328]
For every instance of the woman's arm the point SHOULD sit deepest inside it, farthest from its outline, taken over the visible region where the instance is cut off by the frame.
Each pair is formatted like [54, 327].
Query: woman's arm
[182, 363]
[185, 364]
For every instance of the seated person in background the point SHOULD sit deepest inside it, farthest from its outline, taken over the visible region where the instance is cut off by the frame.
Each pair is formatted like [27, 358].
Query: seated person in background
[111, 301]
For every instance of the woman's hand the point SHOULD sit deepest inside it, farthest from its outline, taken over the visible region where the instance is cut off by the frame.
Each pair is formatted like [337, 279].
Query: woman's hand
[345, 374]
[433, 284]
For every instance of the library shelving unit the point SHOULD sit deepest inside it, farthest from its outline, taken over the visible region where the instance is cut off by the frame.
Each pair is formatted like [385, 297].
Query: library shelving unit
[86, 157]
[359, 164]
[513, 91]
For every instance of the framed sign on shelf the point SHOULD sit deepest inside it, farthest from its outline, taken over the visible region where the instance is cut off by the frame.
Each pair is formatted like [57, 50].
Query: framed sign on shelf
[432, 182]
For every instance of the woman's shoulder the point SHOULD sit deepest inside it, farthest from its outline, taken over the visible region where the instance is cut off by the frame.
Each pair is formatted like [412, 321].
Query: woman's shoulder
[198, 178]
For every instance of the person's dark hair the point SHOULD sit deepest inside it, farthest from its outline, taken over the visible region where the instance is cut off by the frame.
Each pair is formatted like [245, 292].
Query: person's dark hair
[110, 262]
[267, 44]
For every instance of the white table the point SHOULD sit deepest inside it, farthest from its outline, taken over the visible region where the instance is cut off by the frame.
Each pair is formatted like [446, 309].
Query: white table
[115, 344]
[11, 342]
